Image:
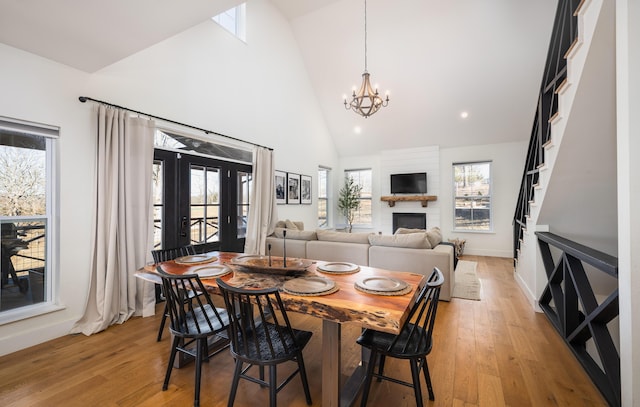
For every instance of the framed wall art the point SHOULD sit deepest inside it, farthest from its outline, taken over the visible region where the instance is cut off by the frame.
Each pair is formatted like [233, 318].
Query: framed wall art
[305, 189]
[281, 187]
[293, 188]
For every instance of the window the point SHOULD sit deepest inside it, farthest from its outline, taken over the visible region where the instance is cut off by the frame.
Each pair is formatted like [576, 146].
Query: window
[362, 178]
[234, 21]
[323, 197]
[472, 189]
[26, 216]
[244, 183]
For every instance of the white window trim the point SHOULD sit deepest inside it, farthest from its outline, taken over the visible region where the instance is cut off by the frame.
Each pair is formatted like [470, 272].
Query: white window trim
[328, 195]
[460, 230]
[363, 225]
[50, 133]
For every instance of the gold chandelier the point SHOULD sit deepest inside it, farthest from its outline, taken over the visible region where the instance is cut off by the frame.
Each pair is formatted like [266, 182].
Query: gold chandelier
[366, 101]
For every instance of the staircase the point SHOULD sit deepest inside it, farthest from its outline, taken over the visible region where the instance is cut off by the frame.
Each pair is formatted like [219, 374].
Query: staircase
[558, 284]
[562, 71]
[574, 26]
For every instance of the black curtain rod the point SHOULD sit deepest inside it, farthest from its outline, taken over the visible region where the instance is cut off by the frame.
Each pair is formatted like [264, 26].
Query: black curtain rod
[83, 99]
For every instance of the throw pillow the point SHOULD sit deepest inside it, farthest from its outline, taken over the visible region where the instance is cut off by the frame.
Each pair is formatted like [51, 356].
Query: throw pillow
[408, 240]
[290, 225]
[435, 236]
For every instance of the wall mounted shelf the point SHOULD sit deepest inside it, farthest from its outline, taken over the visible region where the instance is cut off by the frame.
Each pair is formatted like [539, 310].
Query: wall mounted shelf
[423, 199]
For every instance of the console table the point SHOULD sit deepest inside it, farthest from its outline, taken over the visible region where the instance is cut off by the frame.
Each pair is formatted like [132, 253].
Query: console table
[424, 199]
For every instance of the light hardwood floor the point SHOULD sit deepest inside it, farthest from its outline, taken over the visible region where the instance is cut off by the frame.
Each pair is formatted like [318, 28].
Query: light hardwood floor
[493, 352]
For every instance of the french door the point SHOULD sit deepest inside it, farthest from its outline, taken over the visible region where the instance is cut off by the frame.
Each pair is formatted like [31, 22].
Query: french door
[200, 201]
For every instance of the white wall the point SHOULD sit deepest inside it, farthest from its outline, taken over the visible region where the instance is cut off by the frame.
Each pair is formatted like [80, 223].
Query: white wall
[258, 91]
[628, 128]
[42, 91]
[506, 172]
[424, 159]
[507, 166]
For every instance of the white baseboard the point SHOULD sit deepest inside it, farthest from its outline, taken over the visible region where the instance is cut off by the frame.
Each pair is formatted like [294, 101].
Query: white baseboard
[488, 253]
[531, 298]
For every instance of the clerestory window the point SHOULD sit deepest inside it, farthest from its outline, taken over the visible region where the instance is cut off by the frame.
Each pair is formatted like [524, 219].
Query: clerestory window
[234, 21]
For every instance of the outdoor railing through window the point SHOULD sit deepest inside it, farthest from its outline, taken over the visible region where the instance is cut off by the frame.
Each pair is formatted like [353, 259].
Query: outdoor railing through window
[23, 263]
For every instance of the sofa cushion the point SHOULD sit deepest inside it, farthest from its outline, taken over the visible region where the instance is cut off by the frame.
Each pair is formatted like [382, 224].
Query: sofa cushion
[404, 231]
[409, 240]
[357, 253]
[295, 234]
[332, 236]
[434, 234]
[295, 248]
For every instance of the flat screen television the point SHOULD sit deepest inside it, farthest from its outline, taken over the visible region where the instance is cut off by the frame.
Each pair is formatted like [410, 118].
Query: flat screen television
[415, 183]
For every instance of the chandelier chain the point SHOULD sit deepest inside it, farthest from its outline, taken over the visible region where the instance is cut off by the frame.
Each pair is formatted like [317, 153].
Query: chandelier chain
[365, 35]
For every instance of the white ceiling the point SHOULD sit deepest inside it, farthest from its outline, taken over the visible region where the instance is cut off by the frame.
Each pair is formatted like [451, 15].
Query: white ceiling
[436, 58]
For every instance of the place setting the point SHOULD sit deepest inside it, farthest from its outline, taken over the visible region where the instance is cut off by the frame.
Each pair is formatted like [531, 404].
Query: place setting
[212, 271]
[337, 267]
[194, 259]
[310, 286]
[382, 285]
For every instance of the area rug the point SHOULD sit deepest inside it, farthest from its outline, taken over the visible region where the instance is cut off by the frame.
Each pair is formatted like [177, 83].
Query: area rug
[467, 283]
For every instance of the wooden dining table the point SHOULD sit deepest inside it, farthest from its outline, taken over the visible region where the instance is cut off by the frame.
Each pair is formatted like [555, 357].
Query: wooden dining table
[348, 304]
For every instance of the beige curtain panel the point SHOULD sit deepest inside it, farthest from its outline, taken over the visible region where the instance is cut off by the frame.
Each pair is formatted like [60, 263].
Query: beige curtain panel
[123, 231]
[262, 205]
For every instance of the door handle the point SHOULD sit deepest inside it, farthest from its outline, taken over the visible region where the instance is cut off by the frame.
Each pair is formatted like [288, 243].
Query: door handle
[183, 227]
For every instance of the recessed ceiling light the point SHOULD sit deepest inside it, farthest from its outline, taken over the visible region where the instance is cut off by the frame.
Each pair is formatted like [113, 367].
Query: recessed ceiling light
[357, 130]
[464, 115]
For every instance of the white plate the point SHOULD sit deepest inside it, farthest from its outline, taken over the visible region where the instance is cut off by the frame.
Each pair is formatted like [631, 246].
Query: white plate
[309, 285]
[196, 259]
[382, 284]
[338, 267]
[215, 270]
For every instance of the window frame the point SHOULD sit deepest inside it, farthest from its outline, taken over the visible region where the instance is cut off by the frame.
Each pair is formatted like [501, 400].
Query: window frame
[324, 197]
[456, 227]
[369, 198]
[50, 134]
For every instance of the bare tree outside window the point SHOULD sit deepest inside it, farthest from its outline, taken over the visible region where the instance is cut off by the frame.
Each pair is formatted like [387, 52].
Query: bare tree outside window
[22, 181]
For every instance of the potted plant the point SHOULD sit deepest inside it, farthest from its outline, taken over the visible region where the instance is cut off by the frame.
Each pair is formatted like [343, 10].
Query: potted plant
[349, 200]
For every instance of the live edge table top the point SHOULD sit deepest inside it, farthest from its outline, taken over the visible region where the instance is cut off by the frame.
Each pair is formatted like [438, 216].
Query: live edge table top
[379, 312]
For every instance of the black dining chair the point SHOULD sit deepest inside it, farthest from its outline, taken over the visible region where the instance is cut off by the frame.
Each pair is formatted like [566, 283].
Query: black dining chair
[192, 321]
[265, 339]
[414, 342]
[159, 256]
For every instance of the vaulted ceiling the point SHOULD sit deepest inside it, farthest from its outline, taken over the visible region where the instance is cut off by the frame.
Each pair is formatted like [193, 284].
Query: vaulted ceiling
[436, 58]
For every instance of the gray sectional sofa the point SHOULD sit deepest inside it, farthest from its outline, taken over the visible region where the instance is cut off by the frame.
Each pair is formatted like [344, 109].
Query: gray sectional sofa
[410, 250]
